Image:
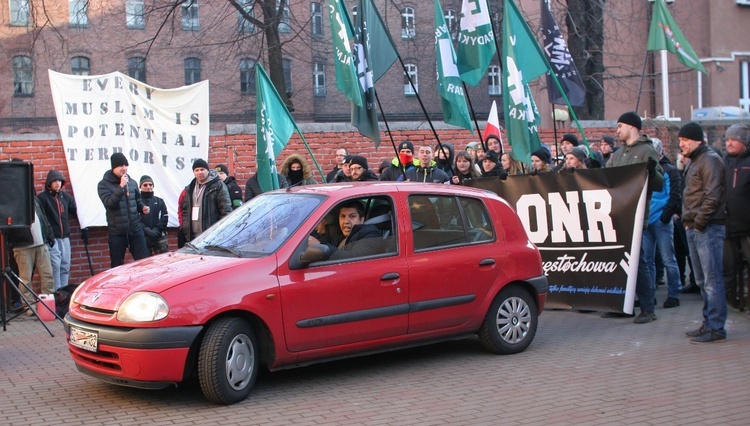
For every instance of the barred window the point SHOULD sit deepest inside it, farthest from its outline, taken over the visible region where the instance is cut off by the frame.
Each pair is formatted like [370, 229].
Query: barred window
[408, 27]
[19, 13]
[80, 65]
[192, 71]
[23, 76]
[247, 76]
[190, 16]
[319, 79]
[79, 13]
[137, 68]
[135, 14]
[493, 81]
[411, 72]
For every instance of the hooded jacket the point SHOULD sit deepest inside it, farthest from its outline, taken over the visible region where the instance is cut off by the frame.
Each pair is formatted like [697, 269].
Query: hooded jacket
[122, 204]
[58, 206]
[307, 178]
[737, 194]
[703, 199]
[235, 192]
[427, 174]
[22, 237]
[446, 165]
[215, 204]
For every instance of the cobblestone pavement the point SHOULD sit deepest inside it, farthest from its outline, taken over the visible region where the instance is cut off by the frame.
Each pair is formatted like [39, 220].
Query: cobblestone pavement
[581, 369]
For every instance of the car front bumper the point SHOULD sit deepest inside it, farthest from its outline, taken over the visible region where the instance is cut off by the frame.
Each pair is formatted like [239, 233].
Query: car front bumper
[147, 358]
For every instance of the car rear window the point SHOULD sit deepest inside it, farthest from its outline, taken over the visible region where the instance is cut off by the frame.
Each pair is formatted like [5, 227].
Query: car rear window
[443, 221]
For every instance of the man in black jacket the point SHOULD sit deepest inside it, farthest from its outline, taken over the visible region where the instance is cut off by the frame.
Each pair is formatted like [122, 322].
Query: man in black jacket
[206, 201]
[359, 239]
[122, 200]
[737, 241]
[155, 222]
[235, 192]
[360, 170]
[59, 207]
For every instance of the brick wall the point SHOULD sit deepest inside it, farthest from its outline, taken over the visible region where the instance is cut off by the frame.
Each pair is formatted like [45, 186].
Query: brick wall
[238, 151]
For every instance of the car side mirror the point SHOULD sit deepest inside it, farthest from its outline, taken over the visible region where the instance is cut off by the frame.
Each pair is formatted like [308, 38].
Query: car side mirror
[315, 253]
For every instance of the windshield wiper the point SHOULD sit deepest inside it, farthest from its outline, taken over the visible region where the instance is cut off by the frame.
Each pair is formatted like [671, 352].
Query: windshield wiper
[191, 246]
[223, 248]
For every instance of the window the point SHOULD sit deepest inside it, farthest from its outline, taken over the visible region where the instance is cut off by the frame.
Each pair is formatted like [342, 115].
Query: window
[451, 20]
[284, 20]
[190, 16]
[135, 14]
[411, 72]
[137, 68]
[80, 65]
[23, 76]
[407, 23]
[316, 12]
[247, 76]
[319, 79]
[493, 81]
[19, 12]
[443, 221]
[78, 11]
[287, 64]
[244, 25]
[745, 85]
[192, 71]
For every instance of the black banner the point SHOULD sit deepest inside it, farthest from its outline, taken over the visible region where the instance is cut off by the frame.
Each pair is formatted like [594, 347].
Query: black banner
[587, 225]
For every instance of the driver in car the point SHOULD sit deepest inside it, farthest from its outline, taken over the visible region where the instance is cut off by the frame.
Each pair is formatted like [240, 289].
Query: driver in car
[359, 239]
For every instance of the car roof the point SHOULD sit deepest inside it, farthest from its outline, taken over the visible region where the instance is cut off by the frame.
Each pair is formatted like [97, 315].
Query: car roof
[351, 189]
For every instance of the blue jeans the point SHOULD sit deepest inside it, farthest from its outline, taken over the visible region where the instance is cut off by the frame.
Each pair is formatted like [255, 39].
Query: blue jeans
[645, 285]
[664, 234]
[59, 255]
[706, 251]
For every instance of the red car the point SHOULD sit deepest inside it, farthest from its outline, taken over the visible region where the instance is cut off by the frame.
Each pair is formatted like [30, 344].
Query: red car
[310, 274]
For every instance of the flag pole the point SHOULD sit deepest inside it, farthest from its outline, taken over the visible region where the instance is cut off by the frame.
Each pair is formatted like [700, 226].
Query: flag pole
[473, 114]
[387, 128]
[304, 142]
[665, 83]
[419, 98]
[640, 85]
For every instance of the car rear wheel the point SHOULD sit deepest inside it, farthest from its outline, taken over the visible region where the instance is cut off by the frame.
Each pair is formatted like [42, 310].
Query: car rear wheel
[228, 361]
[510, 324]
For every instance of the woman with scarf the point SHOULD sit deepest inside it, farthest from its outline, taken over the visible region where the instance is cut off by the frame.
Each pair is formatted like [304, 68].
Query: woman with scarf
[296, 171]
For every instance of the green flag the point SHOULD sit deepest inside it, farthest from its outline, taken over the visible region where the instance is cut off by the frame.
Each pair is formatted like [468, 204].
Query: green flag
[343, 60]
[523, 62]
[365, 117]
[385, 55]
[452, 96]
[476, 41]
[664, 34]
[274, 128]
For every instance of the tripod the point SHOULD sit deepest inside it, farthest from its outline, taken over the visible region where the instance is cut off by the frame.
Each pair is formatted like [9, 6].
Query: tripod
[8, 281]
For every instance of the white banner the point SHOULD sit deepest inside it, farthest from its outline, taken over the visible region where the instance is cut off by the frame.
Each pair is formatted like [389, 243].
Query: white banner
[160, 131]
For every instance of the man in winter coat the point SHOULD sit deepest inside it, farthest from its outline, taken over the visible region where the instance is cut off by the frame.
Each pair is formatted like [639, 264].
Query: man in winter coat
[206, 201]
[704, 216]
[401, 164]
[155, 222]
[444, 158]
[737, 242]
[122, 200]
[426, 169]
[359, 169]
[359, 239]
[639, 148]
[253, 189]
[235, 192]
[59, 207]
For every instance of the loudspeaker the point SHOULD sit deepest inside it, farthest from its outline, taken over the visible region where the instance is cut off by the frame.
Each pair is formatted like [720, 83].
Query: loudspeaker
[16, 194]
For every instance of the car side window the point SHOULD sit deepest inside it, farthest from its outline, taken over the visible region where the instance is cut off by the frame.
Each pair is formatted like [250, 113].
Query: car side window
[443, 221]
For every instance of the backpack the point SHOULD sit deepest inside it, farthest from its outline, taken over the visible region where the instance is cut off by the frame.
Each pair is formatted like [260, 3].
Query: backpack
[62, 299]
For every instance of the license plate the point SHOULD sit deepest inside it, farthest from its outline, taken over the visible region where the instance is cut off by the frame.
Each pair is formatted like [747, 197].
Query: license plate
[83, 339]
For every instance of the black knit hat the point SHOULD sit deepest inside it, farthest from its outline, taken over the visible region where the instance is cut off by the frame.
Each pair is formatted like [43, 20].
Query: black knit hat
[223, 169]
[632, 119]
[118, 159]
[406, 145]
[145, 178]
[692, 131]
[570, 138]
[359, 160]
[543, 154]
[492, 156]
[200, 163]
[609, 140]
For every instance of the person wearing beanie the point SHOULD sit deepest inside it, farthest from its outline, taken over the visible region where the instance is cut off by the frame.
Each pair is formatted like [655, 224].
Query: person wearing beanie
[400, 164]
[206, 201]
[235, 192]
[704, 218]
[426, 169]
[576, 158]
[58, 207]
[737, 199]
[123, 203]
[606, 147]
[491, 166]
[155, 222]
[359, 169]
[540, 160]
[636, 149]
[344, 174]
[567, 143]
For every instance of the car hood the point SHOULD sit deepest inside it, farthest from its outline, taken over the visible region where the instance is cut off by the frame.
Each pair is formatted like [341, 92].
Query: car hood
[156, 274]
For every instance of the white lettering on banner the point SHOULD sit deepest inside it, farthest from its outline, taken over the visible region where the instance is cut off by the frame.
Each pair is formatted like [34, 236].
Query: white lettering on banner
[160, 131]
[565, 216]
[567, 263]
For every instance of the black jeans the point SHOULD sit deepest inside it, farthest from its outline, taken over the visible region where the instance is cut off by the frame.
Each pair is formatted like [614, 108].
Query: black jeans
[135, 241]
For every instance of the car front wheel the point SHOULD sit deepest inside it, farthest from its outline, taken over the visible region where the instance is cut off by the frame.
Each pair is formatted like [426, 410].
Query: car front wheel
[228, 361]
[510, 324]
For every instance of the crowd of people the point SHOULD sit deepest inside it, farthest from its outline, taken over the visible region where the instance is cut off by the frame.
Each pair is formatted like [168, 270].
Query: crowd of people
[696, 231]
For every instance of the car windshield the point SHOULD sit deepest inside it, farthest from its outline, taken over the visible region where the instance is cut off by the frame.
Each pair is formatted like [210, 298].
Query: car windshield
[257, 228]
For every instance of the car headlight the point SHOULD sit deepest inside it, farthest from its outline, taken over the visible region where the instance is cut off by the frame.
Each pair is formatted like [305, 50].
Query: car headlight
[143, 307]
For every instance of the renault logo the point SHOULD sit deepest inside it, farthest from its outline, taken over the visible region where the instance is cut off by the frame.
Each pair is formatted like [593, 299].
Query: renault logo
[96, 296]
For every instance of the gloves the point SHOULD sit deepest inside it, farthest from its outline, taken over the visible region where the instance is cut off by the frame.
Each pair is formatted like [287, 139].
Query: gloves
[150, 233]
[85, 235]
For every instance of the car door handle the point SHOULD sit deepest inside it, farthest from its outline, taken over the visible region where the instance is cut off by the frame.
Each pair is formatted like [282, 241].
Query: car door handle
[390, 276]
[487, 262]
